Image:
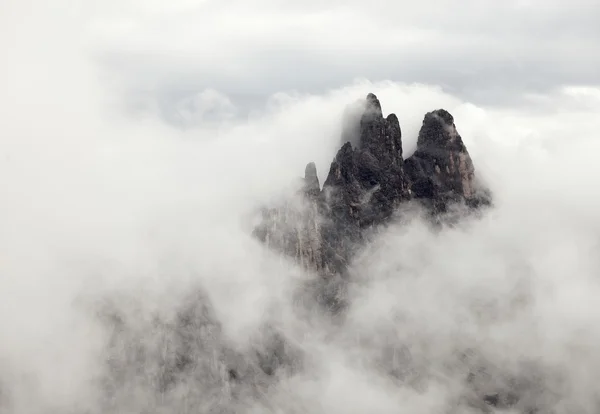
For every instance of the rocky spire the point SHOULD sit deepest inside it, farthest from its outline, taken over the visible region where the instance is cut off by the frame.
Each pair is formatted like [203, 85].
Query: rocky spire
[367, 181]
[441, 169]
[312, 187]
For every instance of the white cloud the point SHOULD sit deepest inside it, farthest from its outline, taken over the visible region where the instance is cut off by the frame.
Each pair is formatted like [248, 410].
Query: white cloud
[205, 107]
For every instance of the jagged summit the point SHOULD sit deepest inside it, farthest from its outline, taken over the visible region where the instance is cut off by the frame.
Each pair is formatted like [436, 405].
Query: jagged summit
[373, 103]
[368, 180]
[439, 132]
[441, 169]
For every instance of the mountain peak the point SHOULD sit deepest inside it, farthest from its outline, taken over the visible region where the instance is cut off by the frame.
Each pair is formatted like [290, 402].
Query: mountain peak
[369, 179]
[438, 130]
[373, 103]
[311, 180]
[441, 169]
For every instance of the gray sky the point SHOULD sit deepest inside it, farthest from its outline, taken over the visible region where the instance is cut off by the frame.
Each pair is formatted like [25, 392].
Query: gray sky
[487, 52]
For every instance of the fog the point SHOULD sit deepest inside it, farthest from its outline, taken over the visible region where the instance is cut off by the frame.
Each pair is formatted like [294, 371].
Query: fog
[112, 222]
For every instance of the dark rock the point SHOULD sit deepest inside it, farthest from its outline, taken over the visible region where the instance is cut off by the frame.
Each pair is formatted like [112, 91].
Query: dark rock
[364, 185]
[367, 181]
[492, 399]
[233, 375]
[441, 170]
[312, 187]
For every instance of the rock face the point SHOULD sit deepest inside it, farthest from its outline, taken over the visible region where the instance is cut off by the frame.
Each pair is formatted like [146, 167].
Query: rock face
[367, 182]
[441, 170]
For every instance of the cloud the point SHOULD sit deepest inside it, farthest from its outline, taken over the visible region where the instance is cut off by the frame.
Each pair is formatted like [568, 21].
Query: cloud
[111, 214]
[486, 53]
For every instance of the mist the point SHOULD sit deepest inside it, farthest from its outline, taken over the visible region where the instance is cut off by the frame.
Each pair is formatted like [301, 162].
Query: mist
[126, 238]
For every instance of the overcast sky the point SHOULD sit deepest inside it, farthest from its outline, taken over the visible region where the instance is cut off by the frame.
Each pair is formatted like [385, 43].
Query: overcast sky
[232, 55]
[487, 52]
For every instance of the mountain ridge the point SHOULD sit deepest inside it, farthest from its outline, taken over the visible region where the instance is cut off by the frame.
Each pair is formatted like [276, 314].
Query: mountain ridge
[368, 181]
